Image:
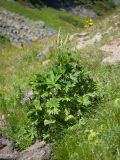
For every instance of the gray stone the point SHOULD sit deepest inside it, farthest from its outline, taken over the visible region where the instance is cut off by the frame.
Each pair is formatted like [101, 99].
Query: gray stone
[113, 50]
[81, 10]
[6, 150]
[87, 41]
[113, 59]
[8, 157]
[20, 29]
[79, 35]
[5, 146]
[38, 151]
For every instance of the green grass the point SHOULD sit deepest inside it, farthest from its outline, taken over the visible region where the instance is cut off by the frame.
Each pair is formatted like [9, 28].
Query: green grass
[3, 41]
[57, 19]
[96, 138]
[17, 67]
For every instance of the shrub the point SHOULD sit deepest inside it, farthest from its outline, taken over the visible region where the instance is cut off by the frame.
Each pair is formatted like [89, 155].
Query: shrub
[61, 95]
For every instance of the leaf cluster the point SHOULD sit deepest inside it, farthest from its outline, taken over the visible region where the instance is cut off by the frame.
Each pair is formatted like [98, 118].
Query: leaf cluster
[61, 95]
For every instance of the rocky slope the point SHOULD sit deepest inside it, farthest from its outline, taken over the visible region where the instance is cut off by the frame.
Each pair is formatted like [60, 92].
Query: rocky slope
[20, 30]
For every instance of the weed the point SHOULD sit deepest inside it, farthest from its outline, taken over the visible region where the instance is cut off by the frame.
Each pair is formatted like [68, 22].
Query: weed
[61, 95]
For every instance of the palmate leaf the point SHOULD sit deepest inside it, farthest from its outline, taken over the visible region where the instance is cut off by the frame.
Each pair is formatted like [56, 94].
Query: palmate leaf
[84, 100]
[59, 70]
[65, 99]
[52, 106]
[48, 122]
[51, 80]
[68, 86]
[74, 76]
[37, 106]
[79, 113]
[45, 94]
[69, 117]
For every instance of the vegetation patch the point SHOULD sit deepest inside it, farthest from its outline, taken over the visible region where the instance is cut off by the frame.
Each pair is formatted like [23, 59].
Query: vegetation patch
[3, 41]
[61, 95]
[96, 138]
[75, 22]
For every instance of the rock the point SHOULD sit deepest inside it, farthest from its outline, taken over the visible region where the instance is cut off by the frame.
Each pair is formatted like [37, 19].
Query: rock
[113, 59]
[21, 30]
[86, 40]
[81, 10]
[83, 34]
[97, 37]
[5, 146]
[6, 150]
[8, 157]
[78, 35]
[41, 24]
[114, 48]
[38, 151]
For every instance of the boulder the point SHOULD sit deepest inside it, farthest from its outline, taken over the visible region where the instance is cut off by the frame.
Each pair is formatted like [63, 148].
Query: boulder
[7, 151]
[38, 151]
[82, 11]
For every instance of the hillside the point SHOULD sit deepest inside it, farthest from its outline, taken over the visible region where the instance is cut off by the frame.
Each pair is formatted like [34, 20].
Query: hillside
[64, 3]
[59, 82]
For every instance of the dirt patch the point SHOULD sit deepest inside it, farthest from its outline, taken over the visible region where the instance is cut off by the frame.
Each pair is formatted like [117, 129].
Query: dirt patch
[113, 48]
[86, 40]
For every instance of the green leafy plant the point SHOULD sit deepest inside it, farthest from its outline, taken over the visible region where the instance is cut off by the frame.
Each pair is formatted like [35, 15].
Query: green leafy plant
[61, 95]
